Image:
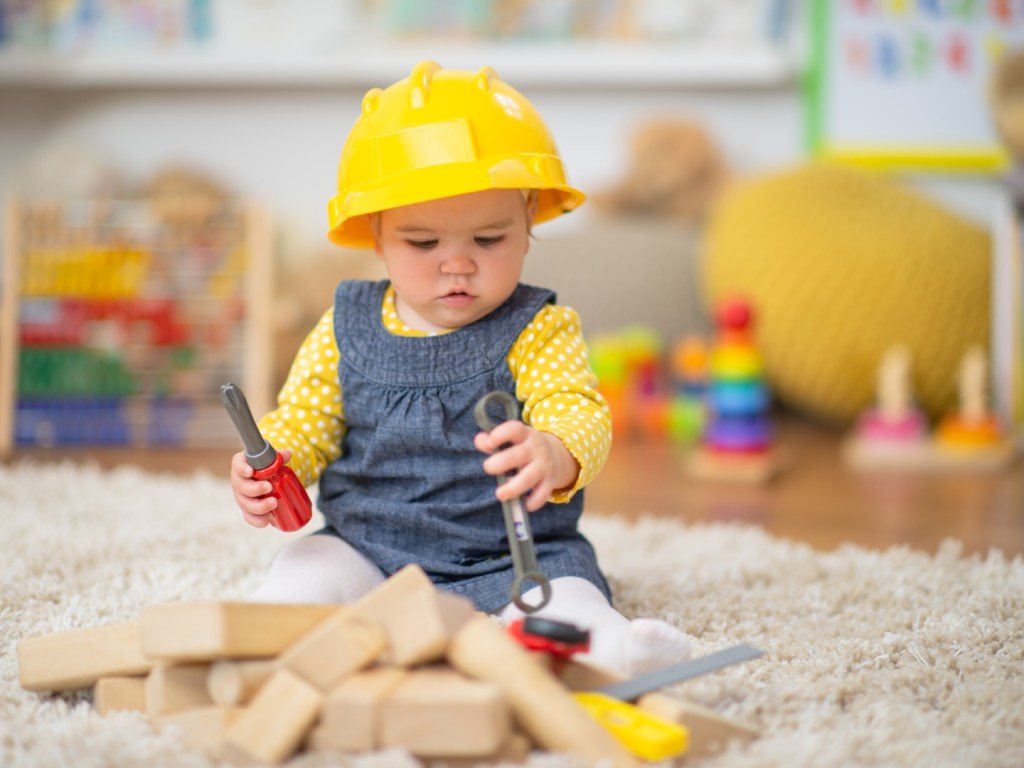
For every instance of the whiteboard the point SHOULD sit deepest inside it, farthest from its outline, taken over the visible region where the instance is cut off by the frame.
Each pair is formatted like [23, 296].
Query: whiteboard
[904, 82]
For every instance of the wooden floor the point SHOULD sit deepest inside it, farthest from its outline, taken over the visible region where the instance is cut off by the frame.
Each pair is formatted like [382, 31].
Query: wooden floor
[817, 500]
[820, 501]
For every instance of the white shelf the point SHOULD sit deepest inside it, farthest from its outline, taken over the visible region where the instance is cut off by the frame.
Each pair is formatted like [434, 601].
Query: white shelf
[535, 65]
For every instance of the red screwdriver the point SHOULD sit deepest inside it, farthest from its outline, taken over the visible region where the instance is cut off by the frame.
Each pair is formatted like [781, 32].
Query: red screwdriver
[294, 508]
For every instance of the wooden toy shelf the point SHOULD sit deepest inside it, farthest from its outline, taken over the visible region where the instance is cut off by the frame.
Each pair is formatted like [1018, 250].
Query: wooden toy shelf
[117, 329]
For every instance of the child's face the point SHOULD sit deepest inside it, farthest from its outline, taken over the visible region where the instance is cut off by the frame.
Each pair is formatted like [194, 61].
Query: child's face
[453, 261]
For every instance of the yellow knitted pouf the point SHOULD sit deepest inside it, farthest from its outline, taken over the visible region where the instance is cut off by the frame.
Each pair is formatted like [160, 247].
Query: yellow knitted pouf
[841, 265]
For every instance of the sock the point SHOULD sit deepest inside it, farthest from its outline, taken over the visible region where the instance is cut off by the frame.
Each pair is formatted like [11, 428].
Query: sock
[649, 644]
[318, 569]
[628, 647]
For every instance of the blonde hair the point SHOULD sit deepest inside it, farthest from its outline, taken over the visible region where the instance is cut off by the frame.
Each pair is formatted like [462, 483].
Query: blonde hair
[530, 199]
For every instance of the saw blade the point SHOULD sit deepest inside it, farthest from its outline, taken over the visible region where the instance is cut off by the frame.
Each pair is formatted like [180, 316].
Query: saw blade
[630, 690]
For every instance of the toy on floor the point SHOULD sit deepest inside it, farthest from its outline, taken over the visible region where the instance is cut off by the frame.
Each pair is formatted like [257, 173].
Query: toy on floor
[649, 396]
[895, 433]
[895, 429]
[738, 441]
[561, 639]
[406, 666]
[972, 428]
[686, 411]
[630, 690]
[630, 375]
[645, 735]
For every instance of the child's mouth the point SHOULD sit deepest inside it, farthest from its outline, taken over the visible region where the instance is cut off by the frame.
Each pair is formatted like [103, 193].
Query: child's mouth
[456, 299]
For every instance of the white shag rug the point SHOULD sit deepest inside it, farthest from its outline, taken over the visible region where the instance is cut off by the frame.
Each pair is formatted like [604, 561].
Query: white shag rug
[893, 658]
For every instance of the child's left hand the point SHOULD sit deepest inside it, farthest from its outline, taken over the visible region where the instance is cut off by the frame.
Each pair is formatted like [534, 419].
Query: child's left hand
[540, 461]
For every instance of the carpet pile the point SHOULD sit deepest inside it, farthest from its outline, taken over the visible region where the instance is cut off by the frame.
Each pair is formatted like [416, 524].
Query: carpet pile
[894, 658]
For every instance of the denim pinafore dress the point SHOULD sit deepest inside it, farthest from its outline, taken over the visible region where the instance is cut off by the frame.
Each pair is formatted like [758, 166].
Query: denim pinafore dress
[410, 486]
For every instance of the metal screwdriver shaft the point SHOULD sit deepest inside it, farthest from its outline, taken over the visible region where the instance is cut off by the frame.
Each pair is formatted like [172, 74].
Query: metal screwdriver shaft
[258, 451]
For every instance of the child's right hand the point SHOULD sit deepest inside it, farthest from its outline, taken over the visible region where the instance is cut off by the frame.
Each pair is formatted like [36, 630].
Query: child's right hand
[250, 495]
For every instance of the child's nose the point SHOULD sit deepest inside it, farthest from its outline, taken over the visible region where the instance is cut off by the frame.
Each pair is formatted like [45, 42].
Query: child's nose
[458, 262]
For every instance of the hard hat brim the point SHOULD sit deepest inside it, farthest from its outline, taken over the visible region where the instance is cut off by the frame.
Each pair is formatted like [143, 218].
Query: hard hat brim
[348, 213]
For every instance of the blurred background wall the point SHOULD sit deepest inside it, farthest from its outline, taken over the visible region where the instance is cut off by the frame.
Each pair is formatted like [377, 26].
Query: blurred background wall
[101, 97]
[261, 93]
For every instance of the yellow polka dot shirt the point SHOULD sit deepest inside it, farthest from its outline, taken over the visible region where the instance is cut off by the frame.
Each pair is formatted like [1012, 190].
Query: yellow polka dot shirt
[548, 362]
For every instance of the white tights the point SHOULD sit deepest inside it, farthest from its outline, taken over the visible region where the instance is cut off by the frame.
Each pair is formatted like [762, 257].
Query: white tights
[318, 569]
[325, 569]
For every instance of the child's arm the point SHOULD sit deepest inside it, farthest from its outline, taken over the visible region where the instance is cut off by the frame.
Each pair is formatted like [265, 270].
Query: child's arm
[567, 434]
[306, 427]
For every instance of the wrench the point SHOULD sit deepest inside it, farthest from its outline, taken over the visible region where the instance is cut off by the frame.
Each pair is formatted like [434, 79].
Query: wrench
[517, 520]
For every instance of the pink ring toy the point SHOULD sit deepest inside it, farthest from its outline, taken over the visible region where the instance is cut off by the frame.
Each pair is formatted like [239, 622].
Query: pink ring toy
[909, 428]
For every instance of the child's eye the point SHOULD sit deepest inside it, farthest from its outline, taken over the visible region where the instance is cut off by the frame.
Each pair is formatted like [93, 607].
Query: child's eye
[484, 242]
[423, 245]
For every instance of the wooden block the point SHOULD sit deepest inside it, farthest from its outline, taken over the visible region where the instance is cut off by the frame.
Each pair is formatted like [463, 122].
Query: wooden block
[322, 739]
[379, 603]
[233, 683]
[710, 733]
[583, 676]
[350, 718]
[381, 607]
[382, 603]
[205, 631]
[543, 706]
[120, 694]
[418, 620]
[336, 648]
[204, 728]
[422, 625]
[173, 688]
[436, 711]
[276, 722]
[78, 659]
[513, 752]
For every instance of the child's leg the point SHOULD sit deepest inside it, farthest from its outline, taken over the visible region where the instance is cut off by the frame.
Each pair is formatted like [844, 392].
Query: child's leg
[629, 647]
[318, 569]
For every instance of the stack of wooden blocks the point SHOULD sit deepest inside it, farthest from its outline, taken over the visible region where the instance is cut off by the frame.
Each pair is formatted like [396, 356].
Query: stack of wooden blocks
[407, 666]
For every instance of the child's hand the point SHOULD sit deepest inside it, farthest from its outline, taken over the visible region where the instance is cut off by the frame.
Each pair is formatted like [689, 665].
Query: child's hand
[541, 462]
[248, 491]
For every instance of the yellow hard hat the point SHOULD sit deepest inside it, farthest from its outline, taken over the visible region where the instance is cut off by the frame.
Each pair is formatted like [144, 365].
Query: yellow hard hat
[440, 133]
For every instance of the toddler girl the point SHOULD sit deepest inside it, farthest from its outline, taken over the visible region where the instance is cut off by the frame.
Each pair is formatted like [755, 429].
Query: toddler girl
[443, 175]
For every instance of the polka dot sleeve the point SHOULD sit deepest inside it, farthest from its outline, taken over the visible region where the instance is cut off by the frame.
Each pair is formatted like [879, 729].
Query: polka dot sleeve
[308, 419]
[558, 390]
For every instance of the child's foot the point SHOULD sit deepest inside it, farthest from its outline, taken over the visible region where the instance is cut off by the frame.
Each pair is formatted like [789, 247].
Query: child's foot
[650, 644]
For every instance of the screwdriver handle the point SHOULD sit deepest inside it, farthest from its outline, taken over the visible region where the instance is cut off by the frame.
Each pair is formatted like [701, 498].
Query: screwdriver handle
[294, 509]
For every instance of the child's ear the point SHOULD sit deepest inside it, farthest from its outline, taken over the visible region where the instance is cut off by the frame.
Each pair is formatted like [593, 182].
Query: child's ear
[532, 197]
[532, 201]
[375, 232]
